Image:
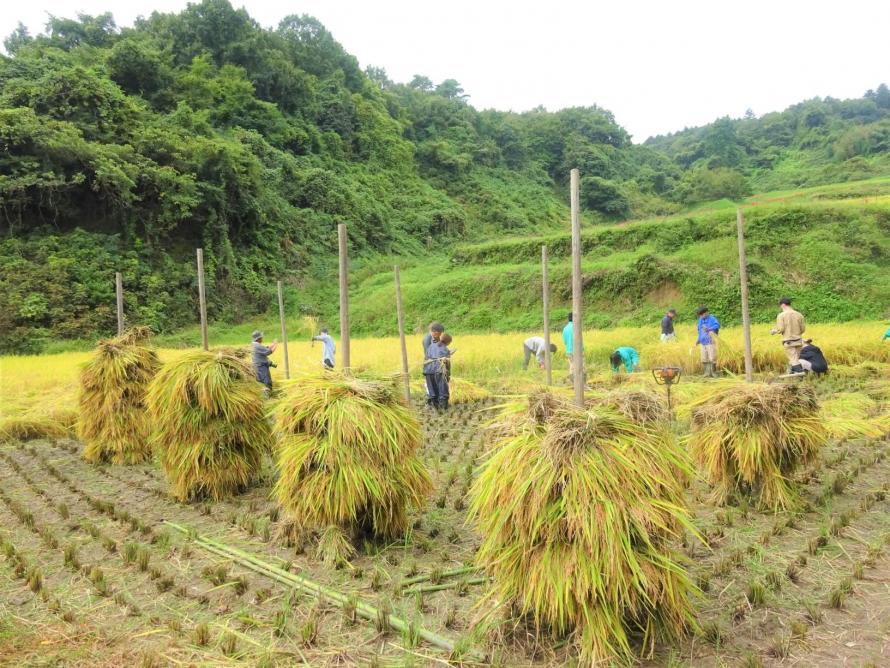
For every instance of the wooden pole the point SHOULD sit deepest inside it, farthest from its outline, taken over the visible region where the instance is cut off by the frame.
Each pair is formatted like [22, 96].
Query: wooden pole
[202, 300]
[545, 283]
[344, 298]
[283, 329]
[577, 321]
[119, 297]
[743, 280]
[401, 316]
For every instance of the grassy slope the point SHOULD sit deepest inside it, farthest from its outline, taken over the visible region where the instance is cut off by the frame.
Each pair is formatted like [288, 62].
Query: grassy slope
[829, 247]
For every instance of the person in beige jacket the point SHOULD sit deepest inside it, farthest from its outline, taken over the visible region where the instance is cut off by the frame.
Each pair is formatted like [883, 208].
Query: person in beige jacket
[790, 324]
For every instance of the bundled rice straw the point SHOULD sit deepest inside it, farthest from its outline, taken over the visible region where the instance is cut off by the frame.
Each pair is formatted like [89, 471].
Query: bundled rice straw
[347, 456]
[209, 426]
[577, 509]
[639, 405]
[750, 438]
[113, 424]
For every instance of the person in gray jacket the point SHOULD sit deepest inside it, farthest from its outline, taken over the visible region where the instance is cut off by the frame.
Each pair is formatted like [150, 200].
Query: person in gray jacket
[260, 358]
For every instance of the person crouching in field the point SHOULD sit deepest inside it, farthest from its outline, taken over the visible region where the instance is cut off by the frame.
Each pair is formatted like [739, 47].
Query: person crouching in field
[790, 324]
[811, 358]
[260, 357]
[708, 328]
[627, 356]
[536, 346]
[437, 372]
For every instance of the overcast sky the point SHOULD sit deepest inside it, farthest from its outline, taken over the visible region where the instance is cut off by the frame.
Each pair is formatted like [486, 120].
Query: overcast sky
[658, 66]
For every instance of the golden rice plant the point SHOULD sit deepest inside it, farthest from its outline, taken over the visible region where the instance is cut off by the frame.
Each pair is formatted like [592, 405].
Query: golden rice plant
[461, 391]
[465, 392]
[577, 509]
[112, 423]
[750, 438]
[36, 425]
[208, 423]
[347, 455]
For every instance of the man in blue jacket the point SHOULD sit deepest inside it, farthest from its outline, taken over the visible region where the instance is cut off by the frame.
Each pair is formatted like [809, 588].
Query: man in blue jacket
[708, 328]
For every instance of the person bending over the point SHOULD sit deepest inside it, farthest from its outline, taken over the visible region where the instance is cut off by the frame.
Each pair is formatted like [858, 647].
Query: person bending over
[536, 346]
[627, 356]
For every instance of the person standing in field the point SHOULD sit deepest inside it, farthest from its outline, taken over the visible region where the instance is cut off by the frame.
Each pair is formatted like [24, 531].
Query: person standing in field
[535, 345]
[435, 331]
[568, 339]
[790, 324]
[627, 356]
[667, 326]
[886, 335]
[708, 328]
[437, 372]
[260, 357]
[328, 348]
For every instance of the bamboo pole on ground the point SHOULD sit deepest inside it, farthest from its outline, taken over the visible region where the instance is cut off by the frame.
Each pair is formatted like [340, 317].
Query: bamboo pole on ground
[400, 313]
[344, 298]
[743, 280]
[545, 283]
[283, 329]
[292, 580]
[119, 299]
[577, 320]
[202, 299]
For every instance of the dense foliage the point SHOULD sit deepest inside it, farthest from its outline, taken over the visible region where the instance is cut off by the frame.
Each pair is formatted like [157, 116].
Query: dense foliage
[124, 149]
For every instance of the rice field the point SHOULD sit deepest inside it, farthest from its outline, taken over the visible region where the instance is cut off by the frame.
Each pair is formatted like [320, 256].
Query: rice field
[101, 566]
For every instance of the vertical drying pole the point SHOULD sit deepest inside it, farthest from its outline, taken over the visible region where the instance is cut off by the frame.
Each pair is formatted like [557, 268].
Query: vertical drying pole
[283, 329]
[577, 320]
[202, 300]
[344, 298]
[743, 279]
[119, 298]
[545, 283]
[401, 316]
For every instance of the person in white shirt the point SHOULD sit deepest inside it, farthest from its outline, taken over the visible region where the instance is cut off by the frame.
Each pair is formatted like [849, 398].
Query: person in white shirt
[535, 345]
[328, 349]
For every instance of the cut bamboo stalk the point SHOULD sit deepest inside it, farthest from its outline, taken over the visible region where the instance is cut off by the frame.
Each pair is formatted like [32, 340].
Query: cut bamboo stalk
[444, 574]
[299, 582]
[441, 587]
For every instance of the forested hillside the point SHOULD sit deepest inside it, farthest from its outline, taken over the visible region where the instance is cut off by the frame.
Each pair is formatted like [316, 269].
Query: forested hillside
[124, 149]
